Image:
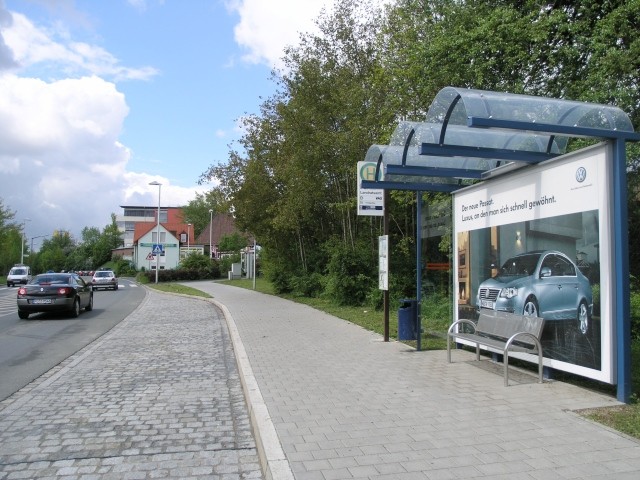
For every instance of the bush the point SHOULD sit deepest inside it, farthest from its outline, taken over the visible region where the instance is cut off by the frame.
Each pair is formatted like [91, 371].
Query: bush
[123, 268]
[308, 285]
[635, 315]
[199, 269]
[280, 278]
[227, 261]
[350, 273]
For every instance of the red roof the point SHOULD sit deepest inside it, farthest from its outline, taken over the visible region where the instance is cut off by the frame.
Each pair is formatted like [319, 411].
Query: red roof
[221, 226]
[143, 228]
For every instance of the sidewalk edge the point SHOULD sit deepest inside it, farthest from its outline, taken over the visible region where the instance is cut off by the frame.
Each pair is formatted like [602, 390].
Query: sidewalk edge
[273, 461]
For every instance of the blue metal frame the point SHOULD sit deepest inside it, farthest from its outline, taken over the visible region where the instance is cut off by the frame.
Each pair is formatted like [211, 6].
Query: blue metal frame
[622, 309]
[414, 187]
[484, 152]
[571, 131]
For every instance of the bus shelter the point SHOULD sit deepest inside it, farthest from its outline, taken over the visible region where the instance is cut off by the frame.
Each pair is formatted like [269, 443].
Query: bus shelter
[471, 137]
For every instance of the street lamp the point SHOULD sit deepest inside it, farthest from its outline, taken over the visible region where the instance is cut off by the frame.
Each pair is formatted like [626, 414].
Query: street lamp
[31, 251]
[188, 236]
[159, 185]
[22, 242]
[210, 228]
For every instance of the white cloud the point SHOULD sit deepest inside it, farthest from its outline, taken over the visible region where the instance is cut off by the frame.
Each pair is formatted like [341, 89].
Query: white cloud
[36, 46]
[266, 28]
[61, 163]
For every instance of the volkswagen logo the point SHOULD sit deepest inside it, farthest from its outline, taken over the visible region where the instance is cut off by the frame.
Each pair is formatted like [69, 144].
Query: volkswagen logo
[581, 174]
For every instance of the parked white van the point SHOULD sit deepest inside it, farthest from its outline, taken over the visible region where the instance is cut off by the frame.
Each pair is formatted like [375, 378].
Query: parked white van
[19, 274]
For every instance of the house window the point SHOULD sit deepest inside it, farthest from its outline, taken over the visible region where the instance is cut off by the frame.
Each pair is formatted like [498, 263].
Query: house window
[154, 237]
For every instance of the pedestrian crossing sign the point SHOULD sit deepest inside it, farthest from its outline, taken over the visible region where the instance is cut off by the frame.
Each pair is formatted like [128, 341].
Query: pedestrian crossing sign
[157, 248]
[150, 256]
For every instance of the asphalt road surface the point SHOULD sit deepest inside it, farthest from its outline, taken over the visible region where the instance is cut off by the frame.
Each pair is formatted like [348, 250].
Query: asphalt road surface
[29, 348]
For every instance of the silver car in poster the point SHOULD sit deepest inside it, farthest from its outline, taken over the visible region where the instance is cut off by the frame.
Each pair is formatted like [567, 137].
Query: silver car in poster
[541, 283]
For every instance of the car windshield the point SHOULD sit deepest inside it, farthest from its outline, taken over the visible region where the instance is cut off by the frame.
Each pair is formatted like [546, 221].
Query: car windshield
[18, 271]
[519, 266]
[51, 279]
[104, 274]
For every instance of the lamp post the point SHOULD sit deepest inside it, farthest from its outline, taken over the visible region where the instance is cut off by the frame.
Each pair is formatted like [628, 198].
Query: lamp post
[210, 228]
[188, 237]
[31, 251]
[22, 242]
[159, 185]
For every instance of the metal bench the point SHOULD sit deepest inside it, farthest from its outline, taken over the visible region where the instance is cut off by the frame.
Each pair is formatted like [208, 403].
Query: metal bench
[503, 332]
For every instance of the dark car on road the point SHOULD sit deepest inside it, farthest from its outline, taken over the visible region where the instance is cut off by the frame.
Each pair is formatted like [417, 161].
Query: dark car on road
[55, 292]
[543, 284]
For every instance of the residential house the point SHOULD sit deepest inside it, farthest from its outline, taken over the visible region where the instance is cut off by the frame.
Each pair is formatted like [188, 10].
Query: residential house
[221, 225]
[175, 239]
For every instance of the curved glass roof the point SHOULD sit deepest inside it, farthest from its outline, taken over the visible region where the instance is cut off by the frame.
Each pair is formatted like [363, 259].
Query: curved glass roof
[458, 104]
[468, 133]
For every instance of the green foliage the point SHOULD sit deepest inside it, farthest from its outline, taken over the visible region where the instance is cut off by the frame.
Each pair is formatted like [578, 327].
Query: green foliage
[183, 274]
[311, 285]
[635, 315]
[280, 277]
[199, 211]
[180, 289]
[233, 242]
[121, 267]
[10, 238]
[200, 266]
[227, 261]
[196, 261]
[350, 272]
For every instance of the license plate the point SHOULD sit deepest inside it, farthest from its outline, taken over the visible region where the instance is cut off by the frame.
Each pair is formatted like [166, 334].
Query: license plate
[41, 301]
[487, 304]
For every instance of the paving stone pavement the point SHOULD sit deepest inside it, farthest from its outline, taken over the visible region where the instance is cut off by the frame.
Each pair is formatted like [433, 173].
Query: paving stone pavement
[346, 405]
[159, 396]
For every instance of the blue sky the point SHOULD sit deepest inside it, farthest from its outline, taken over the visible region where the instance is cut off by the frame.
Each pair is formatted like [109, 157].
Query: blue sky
[100, 97]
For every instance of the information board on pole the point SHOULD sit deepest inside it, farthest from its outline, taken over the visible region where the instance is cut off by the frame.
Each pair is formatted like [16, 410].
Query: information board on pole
[370, 200]
[383, 262]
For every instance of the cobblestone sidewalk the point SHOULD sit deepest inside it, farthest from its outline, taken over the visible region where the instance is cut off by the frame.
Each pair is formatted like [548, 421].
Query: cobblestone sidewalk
[159, 396]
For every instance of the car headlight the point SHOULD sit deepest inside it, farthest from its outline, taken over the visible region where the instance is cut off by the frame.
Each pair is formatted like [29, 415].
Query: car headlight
[509, 292]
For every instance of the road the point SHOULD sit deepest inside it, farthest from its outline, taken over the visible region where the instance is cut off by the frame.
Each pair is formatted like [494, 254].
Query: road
[29, 348]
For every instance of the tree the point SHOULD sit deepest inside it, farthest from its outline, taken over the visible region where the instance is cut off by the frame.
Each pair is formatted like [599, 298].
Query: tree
[10, 238]
[55, 251]
[292, 182]
[198, 211]
[232, 243]
[295, 188]
[109, 239]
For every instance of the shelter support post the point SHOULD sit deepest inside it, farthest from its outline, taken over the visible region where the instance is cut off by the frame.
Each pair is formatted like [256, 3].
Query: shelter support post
[621, 267]
[418, 269]
[385, 293]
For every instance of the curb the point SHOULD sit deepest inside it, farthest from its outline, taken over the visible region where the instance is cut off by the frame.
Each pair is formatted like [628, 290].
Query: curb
[273, 461]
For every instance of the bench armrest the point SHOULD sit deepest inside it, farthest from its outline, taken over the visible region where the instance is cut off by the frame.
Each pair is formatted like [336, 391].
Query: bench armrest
[459, 322]
[451, 333]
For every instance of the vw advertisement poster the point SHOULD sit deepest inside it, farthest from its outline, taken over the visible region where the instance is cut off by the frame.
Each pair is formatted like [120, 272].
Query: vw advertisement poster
[537, 242]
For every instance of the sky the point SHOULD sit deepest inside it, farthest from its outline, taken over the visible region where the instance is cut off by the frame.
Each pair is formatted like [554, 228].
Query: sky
[100, 97]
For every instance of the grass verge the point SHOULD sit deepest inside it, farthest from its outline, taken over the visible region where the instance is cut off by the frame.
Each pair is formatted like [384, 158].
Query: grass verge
[177, 288]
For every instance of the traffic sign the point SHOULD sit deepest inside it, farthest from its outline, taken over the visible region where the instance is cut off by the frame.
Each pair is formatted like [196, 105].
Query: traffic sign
[150, 256]
[157, 248]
